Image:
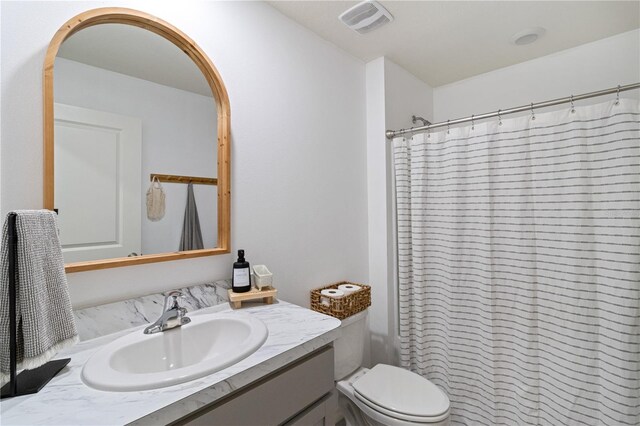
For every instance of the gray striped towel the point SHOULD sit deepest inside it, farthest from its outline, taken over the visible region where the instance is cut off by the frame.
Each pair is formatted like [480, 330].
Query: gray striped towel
[45, 319]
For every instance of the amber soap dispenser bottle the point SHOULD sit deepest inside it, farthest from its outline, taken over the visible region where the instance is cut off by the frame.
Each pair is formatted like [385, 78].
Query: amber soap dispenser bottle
[241, 278]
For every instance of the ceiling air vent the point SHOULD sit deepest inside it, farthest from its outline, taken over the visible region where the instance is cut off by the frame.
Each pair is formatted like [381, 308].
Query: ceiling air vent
[366, 16]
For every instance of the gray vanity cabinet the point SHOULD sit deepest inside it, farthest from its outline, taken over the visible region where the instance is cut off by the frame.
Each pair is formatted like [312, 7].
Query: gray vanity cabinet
[299, 394]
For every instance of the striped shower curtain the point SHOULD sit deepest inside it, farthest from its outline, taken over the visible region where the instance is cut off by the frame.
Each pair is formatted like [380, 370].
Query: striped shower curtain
[519, 266]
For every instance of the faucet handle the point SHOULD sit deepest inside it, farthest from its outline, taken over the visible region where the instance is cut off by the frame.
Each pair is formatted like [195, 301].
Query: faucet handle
[171, 300]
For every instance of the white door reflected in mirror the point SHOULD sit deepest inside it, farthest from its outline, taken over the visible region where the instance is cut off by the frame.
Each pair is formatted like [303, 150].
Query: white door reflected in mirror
[97, 159]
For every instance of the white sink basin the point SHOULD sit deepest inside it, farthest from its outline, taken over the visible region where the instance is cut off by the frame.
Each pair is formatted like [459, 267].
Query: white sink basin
[207, 344]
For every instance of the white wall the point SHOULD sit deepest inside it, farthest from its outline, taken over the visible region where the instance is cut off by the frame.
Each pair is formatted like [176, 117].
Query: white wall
[405, 96]
[377, 202]
[590, 67]
[393, 96]
[299, 189]
[179, 135]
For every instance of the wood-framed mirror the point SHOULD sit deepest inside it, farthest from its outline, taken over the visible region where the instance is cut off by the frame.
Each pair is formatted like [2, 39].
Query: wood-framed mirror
[101, 156]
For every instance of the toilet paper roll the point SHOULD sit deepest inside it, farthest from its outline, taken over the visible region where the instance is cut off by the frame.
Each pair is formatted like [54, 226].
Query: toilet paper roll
[330, 293]
[347, 289]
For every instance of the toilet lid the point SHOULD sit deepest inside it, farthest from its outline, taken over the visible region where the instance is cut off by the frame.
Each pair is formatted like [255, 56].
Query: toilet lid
[402, 391]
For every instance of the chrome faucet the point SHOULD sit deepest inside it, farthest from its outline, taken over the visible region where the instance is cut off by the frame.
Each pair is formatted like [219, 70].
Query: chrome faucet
[173, 315]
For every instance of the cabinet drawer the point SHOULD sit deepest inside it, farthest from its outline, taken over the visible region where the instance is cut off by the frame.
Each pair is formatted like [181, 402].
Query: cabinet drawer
[275, 398]
[322, 413]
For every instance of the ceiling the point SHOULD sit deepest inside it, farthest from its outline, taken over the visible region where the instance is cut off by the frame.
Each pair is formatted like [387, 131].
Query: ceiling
[136, 52]
[445, 41]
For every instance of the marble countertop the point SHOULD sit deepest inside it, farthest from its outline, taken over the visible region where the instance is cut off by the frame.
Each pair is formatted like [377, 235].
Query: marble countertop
[66, 400]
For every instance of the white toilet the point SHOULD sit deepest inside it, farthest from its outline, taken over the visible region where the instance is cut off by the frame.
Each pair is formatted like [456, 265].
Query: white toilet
[383, 395]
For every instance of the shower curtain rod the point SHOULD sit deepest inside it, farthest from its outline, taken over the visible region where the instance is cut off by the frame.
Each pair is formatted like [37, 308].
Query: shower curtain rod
[569, 99]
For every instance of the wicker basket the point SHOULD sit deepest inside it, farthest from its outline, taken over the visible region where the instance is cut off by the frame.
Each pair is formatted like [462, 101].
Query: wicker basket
[345, 306]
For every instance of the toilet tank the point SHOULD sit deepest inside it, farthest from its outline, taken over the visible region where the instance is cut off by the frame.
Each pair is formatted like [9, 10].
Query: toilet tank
[349, 347]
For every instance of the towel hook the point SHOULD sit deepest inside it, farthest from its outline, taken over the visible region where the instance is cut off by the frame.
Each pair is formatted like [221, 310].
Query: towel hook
[499, 118]
[573, 107]
[533, 114]
[618, 96]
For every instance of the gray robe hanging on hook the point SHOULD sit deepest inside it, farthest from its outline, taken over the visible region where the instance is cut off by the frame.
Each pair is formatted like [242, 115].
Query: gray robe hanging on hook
[191, 234]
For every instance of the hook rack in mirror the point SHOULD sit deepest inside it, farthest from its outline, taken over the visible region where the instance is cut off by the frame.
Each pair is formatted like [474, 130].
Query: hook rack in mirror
[184, 179]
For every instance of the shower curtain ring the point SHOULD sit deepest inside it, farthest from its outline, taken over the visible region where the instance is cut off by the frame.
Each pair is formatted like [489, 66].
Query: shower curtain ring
[429, 131]
[473, 124]
[448, 128]
[533, 114]
[499, 118]
[573, 107]
[618, 96]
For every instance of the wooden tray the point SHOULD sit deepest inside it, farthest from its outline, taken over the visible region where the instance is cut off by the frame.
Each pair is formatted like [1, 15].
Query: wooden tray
[266, 294]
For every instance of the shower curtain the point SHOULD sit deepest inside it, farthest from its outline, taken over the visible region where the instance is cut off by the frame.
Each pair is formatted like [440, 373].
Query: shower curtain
[519, 266]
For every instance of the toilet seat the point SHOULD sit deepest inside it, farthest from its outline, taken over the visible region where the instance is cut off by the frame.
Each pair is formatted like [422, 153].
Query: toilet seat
[379, 413]
[401, 394]
[384, 419]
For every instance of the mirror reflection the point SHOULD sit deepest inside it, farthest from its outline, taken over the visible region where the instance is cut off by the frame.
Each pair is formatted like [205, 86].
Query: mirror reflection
[135, 146]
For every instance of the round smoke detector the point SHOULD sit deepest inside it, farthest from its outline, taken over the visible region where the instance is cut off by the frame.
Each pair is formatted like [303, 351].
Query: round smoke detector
[527, 36]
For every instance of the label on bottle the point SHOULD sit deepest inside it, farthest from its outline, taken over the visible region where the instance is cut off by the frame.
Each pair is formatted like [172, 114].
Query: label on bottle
[241, 277]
